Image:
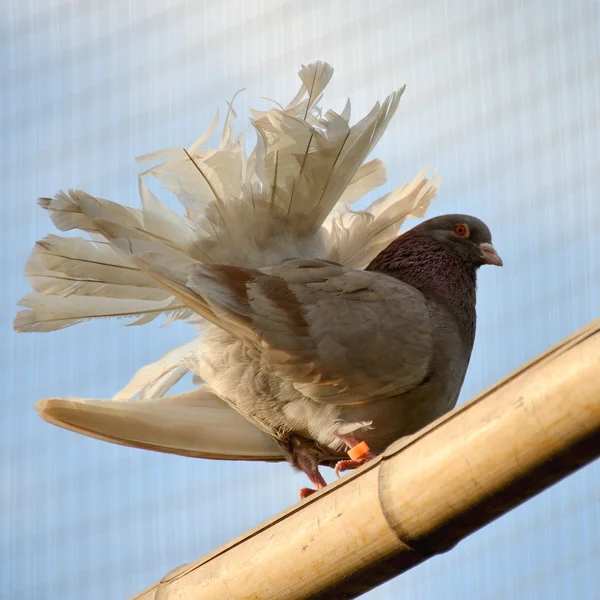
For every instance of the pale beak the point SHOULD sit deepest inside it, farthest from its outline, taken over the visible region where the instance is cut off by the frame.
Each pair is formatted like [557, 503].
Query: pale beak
[490, 256]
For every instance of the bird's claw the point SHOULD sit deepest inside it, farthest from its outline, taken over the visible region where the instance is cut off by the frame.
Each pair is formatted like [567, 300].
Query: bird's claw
[350, 463]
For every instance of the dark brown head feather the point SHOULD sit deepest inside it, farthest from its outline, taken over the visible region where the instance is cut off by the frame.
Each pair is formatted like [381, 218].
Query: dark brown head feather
[434, 259]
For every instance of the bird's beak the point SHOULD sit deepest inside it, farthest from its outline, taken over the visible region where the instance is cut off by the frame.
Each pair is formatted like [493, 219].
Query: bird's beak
[490, 256]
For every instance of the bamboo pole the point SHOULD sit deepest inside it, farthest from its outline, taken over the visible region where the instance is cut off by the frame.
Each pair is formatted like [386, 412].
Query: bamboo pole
[423, 495]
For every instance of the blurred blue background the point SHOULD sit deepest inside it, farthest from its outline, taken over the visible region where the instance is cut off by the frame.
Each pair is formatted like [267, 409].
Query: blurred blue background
[502, 97]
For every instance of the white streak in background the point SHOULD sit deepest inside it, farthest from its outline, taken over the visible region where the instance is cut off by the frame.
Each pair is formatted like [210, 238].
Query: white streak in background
[501, 96]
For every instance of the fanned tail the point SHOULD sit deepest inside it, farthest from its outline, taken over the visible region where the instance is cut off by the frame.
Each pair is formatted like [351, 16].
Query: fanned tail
[75, 279]
[290, 197]
[355, 238]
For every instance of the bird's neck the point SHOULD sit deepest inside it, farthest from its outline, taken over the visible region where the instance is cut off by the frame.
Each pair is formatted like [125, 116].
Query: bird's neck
[437, 271]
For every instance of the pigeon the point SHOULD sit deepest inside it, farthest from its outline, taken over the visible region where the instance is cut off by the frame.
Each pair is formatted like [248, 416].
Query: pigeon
[323, 335]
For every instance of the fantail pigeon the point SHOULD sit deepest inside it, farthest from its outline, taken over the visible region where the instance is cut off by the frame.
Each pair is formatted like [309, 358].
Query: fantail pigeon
[303, 353]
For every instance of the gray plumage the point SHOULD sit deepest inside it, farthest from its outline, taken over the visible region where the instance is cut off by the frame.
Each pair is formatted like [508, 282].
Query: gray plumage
[325, 350]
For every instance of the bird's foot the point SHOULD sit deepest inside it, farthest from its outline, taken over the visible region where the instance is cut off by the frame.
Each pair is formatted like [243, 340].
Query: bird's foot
[353, 463]
[317, 480]
[306, 459]
[359, 454]
[306, 492]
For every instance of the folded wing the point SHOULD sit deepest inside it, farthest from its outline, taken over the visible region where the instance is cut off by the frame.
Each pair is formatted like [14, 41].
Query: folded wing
[341, 336]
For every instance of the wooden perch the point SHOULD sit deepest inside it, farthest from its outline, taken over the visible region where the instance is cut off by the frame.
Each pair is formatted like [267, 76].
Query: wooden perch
[423, 495]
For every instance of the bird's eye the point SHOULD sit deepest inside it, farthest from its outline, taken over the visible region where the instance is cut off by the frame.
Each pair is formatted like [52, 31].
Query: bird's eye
[462, 230]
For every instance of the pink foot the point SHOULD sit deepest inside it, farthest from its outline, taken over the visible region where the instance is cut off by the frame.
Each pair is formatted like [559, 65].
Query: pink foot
[349, 463]
[307, 462]
[317, 480]
[306, 492]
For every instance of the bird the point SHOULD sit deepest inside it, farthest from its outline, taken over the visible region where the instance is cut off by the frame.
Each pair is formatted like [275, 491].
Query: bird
[322, 334]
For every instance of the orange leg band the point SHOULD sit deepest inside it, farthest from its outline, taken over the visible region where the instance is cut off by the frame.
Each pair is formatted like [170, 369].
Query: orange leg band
[358, 451]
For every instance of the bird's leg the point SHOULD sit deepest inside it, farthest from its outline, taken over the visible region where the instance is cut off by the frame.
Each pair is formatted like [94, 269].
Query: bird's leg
[305, 457]
[306, 463]
[317, 480]
[351, 463]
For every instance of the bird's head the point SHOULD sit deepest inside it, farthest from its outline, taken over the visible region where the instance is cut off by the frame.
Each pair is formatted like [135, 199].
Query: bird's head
[468, 236]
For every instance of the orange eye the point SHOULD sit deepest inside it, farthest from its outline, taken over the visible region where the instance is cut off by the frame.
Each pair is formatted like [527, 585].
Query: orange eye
[462, 230]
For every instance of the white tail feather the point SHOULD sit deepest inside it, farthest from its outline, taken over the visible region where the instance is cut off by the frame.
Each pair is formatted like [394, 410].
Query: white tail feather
[367, 178]
[355, 238]
[154, 380]
[76, 266]
[49, 313]
[195, 424]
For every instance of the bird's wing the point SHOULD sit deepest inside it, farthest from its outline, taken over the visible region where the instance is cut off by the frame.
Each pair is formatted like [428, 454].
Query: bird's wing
[196, 424]
[341, 336]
